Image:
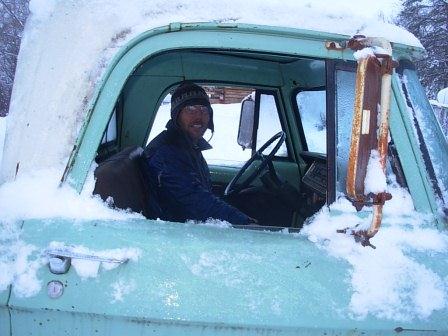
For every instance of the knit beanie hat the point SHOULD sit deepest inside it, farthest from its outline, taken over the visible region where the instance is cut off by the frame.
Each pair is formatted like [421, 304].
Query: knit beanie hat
[189, 94]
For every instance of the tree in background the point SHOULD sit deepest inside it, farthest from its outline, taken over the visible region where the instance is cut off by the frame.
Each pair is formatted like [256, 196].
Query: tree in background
[428, 21]
[13, 14]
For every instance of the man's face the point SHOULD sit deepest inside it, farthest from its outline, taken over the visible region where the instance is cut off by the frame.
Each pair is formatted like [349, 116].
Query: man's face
[193, 120]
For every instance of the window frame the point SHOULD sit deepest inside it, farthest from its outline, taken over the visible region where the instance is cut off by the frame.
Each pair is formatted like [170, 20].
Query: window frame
[282, 119]
[297, 115]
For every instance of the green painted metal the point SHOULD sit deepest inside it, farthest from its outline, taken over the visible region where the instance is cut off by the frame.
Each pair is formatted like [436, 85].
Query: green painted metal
[146, 87]
[187, 36]
[409, 152]
[197, 279]
[5, 321]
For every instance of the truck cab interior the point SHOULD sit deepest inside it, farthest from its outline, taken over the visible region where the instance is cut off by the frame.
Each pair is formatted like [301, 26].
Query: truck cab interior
[269, 112]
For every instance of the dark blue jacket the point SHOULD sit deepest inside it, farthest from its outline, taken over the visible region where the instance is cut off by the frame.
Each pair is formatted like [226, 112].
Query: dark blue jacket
[182, 177]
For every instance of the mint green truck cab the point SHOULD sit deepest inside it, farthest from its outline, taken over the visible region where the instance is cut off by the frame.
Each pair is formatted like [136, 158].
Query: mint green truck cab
[190, 278]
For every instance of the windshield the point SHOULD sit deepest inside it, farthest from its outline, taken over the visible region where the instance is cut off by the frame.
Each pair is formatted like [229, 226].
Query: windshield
[428, 132]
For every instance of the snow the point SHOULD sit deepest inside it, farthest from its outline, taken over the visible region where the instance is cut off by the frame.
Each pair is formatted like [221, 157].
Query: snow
[442, 97]
[363, 53]
[42, 9]
[86, 268]
[19, 262]
[53, 104]
[46, 114]
[387, 282]
[375, 181]
[2, 137]
[37, 195]
[120, 289]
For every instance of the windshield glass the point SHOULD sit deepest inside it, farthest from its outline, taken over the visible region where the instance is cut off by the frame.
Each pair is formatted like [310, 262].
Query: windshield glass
[428, 132]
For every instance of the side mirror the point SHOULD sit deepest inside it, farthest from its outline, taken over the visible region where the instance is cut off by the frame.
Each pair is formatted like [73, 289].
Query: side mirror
[247, 123]
[364, 127]
[370, 129]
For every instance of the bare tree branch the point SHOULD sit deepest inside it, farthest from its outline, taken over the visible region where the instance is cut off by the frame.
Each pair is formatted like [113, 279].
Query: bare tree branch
[12, 13]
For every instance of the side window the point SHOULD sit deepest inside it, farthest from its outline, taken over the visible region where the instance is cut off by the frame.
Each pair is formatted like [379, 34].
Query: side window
[269, 123]
[345, 98]
[226, 104]
[312, 110]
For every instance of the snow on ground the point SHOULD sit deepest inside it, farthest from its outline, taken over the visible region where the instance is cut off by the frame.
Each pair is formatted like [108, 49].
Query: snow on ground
[54, 103]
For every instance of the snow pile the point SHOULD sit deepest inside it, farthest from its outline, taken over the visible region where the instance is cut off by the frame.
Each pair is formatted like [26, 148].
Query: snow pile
[375, 181]
[50, 99]
[363, 53]
[42, 9]
[38, 195]
[18, 262]
[388, 282]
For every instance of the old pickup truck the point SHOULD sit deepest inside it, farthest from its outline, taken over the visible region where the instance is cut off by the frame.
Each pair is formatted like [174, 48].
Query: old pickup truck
[317, 134]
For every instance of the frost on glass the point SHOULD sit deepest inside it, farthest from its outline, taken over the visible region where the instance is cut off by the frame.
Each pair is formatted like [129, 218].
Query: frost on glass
[345, 98]
[312, 110]
[269, 124]
[428, 132]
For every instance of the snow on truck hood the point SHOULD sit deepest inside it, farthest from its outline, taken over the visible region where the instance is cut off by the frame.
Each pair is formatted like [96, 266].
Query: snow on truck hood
[67, 45]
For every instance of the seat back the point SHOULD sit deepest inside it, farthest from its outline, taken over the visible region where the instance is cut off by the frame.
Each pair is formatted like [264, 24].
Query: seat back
[123, 177]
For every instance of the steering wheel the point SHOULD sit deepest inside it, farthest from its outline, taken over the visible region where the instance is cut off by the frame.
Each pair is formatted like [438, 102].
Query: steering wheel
[232, 187]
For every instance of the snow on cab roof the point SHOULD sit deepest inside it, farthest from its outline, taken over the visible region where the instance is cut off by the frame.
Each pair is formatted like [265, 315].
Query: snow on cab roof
[67, 45]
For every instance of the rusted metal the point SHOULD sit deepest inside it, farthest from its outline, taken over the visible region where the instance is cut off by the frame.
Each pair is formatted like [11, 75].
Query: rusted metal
[365, 120]
[357, 42]
[333, 45]
[373, 88]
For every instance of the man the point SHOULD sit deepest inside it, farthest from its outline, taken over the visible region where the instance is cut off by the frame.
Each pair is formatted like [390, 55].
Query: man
[176, 165]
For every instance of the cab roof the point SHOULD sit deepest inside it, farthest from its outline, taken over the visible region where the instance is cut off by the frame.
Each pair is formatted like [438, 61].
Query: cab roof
[67, 47]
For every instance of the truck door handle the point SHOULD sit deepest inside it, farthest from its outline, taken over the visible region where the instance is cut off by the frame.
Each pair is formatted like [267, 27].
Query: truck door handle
[60, 259]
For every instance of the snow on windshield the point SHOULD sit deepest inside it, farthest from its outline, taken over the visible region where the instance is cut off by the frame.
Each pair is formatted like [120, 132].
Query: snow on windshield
[47, 111]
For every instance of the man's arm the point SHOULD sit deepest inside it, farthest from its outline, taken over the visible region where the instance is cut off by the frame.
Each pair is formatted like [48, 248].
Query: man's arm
[179, 181]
